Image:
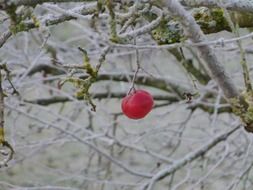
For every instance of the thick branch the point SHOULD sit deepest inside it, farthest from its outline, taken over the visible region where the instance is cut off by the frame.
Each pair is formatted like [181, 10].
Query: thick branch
[235, 5]
[36, 2]
[194, 33]
[157, 82]
[87, 9]
[168, 98]
[241, 106]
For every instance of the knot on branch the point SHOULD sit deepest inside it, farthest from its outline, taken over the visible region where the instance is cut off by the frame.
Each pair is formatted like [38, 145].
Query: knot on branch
[7, 152]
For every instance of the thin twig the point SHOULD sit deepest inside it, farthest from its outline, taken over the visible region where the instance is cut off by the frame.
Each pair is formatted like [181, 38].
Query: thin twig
[3, 142]
[246, 75]
[188, 158]
[4, 37]
[81, 140]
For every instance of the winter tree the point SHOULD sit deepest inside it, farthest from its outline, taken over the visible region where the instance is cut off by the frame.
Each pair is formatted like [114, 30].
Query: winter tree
[66, 66]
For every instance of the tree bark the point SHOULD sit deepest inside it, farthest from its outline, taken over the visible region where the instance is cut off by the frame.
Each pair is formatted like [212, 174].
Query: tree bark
[194, 33]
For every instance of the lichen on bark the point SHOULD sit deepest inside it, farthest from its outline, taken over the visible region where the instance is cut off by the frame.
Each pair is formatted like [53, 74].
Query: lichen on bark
[210, 20]
[242, 106]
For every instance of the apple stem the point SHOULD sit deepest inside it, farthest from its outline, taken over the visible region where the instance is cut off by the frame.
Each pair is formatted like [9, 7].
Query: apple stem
[137, 69]
[132, 89]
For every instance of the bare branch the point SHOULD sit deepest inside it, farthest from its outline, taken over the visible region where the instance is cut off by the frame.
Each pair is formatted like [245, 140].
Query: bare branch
[235, 5]
[62, 99]
[79, 139]
[3, 142]
[4, 37]
[189, 157]
[145, 28]
[193, 32]
[36, 2]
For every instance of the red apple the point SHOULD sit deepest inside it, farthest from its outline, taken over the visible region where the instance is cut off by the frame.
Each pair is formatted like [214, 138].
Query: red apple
[137, 104]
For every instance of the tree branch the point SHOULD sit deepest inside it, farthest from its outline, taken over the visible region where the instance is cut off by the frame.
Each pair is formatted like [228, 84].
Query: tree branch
[37, 2]
[156, 82]
[242, 105]
[4, 37]
[189, 158]
[118, 163]
[3, 142]
[235, 5]
[194, 33]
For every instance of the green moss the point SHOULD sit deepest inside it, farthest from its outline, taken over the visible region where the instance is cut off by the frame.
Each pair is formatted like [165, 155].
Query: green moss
[167, 33]
[242, 106]
[248, 115]
[210, 20]
[35, 21]
[15, 28]
[87, 66]
[100, 6]
[17, 20]
[2, 139]
[112, 21]
[243, 19]
[79, 94]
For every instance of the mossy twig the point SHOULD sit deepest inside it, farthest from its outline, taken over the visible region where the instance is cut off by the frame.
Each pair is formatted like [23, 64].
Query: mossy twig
[3, 142]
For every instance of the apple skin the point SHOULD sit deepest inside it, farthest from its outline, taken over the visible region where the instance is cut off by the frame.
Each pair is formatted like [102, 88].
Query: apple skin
[137, 104]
